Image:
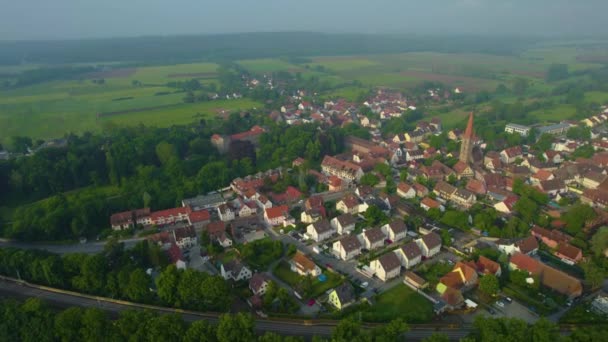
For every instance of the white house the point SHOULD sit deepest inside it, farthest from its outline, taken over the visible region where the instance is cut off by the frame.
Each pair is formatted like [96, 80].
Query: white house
[225, 212]
[258, 284]
[277, 216]
[343, 224]
[347, 248]
[263, 202]
[387, 266]
[409, 254]
[395, 230]
[405, 190]
[319, 231]
[185, 237]
[373, 238]
[235, 270]
[304, 266]
[430, 244]
[248, 208]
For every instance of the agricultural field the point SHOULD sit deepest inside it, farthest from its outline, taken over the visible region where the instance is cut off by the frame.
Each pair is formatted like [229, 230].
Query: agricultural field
[73, 106]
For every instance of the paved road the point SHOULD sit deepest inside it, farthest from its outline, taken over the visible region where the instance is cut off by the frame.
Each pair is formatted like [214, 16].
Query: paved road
[88, 248]
[283, 327]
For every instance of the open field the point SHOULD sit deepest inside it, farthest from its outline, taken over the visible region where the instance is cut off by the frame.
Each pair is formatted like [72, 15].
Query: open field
[267, 65]
[400, 302]
[180, 114]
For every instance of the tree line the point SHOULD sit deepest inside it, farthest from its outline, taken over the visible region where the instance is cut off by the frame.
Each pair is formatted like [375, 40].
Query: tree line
[34, 320]
[120, 274]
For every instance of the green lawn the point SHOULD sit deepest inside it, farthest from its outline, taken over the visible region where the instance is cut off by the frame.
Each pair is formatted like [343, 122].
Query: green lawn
[555, 114]
[283, 272]
[596, 96]
[400, 302]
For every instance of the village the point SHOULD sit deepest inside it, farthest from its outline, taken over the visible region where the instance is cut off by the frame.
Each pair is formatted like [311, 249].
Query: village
[400, 217]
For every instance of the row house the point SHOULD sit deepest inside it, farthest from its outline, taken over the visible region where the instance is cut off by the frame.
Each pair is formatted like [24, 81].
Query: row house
[170, 216]
[129, 219]
[320, 230]
[395, 231]
[373, 238]
[343, 224]
[347, 248]
[345, 170]
[409, 254]
[430, 244]
[386, 267]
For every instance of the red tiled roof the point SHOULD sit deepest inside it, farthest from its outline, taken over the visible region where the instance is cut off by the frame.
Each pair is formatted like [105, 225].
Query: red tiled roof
[199, 216]
[485, 265]
[170, 212]
[526, 263]
[275, 212]
[126, 217]
[568, 251]
[429, 202]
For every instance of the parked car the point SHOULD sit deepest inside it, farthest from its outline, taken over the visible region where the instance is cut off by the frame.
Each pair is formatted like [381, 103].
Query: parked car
[491, 311]
[500, 304]
[364, 284]
[311, 302]
[509, 300]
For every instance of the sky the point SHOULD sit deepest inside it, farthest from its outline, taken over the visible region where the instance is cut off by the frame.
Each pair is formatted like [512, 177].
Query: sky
[74, 19]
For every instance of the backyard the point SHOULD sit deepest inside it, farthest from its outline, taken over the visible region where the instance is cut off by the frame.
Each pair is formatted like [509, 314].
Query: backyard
[296, 281]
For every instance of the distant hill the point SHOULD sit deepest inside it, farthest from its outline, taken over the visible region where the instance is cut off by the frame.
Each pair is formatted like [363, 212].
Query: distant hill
[222, 47]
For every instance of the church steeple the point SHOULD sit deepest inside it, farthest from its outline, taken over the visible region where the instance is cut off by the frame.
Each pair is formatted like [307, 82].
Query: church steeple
[466, 149]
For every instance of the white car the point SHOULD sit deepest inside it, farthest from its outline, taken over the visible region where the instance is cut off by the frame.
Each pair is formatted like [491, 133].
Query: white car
[364, 284]
[500, 304]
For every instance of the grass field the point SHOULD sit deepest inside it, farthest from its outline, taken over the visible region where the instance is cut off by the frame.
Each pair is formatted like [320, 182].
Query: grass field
[180, 114]
[266, 65]
[400, 302]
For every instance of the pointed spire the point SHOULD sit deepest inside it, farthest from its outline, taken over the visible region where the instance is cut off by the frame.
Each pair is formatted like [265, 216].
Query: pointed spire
[468, 133]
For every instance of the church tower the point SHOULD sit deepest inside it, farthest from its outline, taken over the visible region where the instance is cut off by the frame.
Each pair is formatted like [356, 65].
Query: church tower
[466, 148]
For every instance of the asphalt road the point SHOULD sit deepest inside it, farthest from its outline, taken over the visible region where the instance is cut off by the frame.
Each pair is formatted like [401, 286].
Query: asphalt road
[87, 248]
[284, 327]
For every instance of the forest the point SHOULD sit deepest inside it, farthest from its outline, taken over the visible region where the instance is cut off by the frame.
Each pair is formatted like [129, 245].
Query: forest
[79, 187]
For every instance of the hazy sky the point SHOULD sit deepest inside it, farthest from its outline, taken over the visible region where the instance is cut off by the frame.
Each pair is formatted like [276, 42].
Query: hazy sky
[52, 19]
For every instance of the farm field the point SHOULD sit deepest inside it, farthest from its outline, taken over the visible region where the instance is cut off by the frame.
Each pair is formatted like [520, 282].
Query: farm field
[180, 114]
[72, 106]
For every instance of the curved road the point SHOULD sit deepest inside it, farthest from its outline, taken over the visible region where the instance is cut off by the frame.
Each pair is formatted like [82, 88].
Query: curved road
[60, 298]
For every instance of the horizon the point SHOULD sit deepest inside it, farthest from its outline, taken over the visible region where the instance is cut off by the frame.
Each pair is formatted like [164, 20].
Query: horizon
[69, 20]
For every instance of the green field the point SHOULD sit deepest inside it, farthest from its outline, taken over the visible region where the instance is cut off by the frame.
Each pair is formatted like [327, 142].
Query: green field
[54, 108]
[283, 272]
[400, 302]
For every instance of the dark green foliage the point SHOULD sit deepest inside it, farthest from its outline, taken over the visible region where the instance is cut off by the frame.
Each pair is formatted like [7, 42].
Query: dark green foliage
[262, 253]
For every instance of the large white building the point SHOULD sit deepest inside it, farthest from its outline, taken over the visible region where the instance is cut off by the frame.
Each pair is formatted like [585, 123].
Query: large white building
[519, 129]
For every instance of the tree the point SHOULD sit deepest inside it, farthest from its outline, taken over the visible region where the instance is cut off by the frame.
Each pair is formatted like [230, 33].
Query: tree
[165, 152]
[138, 288]
[68, 324]
[527, 209]
[235, 328]
[166, 284]
[391, 331]
[593, 274]
[374, 216]
[369, 179]
[599, 242]
[577, 216]
[167, 327]
[403, 175]
[96, 326]
[489, 285]
[348, 330]
[544, 330]
[446, 238]
[200, 331]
